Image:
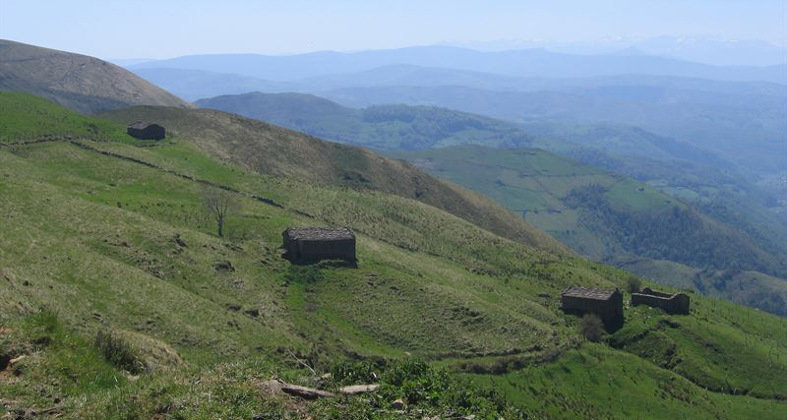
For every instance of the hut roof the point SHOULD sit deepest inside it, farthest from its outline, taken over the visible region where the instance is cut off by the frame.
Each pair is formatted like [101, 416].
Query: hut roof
[141, 125]
[319, 233]
[586, 293]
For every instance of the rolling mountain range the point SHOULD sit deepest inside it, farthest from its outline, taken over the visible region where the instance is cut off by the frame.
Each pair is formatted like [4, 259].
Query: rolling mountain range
[83, 83]
[701, 49]
[756, 121]
[714, 116]
[517, 63]
[118, 288]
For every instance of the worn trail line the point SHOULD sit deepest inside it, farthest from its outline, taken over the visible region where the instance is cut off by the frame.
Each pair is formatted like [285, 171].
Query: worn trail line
[265, 200]
[149, 165]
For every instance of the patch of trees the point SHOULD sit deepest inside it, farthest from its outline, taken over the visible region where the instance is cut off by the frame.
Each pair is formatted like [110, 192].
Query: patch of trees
[421, 127]
[677, 234]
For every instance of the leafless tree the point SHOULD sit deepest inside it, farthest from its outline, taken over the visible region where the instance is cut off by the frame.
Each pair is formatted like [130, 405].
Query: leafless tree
[220, 204]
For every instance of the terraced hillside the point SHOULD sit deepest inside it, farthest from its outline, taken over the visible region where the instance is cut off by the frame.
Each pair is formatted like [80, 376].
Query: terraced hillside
[117, 290]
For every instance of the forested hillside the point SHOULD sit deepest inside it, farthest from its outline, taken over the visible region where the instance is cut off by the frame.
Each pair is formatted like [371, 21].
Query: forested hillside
[383, 127]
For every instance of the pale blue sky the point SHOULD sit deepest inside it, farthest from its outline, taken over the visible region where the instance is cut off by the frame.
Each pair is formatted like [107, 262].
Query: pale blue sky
[165, 28]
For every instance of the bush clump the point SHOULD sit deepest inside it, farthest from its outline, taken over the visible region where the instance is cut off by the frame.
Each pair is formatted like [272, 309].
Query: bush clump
[424, 389]
[416, 382]
[303, 274]
[633, 284]
[420, 384]
[119, 352]
[355, 372]
[591, 327]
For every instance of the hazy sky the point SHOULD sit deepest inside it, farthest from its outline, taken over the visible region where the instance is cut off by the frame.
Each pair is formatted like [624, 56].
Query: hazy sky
[164, 28]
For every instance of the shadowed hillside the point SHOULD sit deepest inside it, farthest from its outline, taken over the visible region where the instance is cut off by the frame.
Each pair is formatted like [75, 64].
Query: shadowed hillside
[383, 127]
[82, 83]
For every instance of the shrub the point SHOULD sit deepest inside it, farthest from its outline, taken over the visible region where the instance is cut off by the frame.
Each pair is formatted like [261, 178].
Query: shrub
[591, 327]
[355, 372]
[633, 284]
[118, 351]
[417, 382]
[303, 274]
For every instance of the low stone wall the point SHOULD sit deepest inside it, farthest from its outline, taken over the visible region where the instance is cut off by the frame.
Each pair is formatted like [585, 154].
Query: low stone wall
[677, 303]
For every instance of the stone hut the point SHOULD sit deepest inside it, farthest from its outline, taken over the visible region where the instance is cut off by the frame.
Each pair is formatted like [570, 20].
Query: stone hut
[675, 303]
[312, 244]
[607, 304]
[146, 131]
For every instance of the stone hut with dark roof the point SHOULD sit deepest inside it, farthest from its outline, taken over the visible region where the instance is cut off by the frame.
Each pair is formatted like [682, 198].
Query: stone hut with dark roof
[146, 131]
[607, 304]
[312, 244]
[675, 303]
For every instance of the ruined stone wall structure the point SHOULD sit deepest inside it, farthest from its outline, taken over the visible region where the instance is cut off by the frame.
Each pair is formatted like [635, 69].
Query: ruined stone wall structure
[607, 304]
[313, 244]
[676, 303]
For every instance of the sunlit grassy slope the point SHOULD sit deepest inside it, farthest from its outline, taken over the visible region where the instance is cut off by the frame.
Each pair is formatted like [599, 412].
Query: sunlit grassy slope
[268, 149]
[107, 243]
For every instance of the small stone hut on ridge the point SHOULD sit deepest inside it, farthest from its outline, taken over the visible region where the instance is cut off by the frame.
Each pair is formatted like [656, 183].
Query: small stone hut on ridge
[607, 304]
[675, 303]
[312, 244]
[146, 131]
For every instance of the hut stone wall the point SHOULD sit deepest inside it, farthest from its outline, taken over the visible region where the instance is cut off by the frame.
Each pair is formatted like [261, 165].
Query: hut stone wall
[310, 245]
[608, 305]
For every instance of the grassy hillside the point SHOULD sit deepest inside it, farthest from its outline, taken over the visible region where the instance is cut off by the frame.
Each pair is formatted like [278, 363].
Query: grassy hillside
[27, 117]
[611, 217]
[83, 83]
[691, 174]
[608, 217]
[268, 149]
[382, 127]
[109, 239]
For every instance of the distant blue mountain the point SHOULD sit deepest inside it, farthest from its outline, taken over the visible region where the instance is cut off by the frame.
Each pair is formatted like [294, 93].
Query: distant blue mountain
[518, 63]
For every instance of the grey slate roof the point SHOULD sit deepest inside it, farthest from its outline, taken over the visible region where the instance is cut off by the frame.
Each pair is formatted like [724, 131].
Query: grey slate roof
[140, 125]
[319, 233]
[583, 292]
